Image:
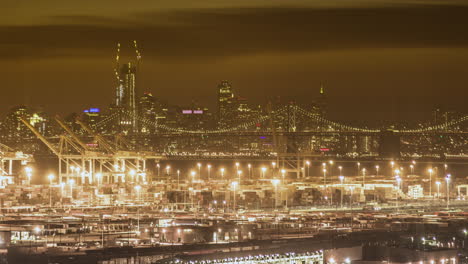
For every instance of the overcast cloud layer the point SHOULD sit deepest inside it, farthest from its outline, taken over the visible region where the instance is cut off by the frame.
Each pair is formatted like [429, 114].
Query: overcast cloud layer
[396, 57]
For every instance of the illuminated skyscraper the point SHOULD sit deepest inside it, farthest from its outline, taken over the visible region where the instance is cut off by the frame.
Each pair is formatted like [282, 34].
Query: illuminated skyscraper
[322, 101]
[126, 96]
[147, 105]
[226, 103]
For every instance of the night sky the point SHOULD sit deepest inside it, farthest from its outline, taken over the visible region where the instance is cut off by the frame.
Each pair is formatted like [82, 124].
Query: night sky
[379, 59]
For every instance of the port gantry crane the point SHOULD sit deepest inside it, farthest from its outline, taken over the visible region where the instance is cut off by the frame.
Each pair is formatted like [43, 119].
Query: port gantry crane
[87, 163]
[72, 153]
[8, 156]
[125, 162]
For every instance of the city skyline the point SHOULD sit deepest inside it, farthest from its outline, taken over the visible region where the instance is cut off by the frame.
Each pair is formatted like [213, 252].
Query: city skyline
[402, 60]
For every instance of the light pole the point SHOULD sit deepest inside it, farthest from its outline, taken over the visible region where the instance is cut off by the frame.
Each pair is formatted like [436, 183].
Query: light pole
[222, 173]
[209, 172]
[51, 177]
[363, 177]
[192, 173]
[199, 169]
[62, 187]
[237, 166]
[351, 206]
[275, 183]
[358, 168]
[250, 170]
[364, 184]
[411, 168]
[342, 190]
[430, 181]
[234, 187]
[159, 169]
[341, 169]
[71, 182]
[377, 169]
[447, 179]
[178, 180]
[308, 168]
[325, 181]
[283, 174]
[137, 189]
[263, 172]
[398, 179]
[438, 189]
[168, 170]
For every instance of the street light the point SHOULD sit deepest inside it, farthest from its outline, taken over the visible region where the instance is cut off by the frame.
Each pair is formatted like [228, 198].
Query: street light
[209, 171]
[325, 180]
[51, 177]
[62, 186]
[438, 189]
[250, 170]
[412, 168]
[358, 168]
[137, 189]
[159, 169]
[363, 177]
[71, 182]
[222, 173]
[275, 183]
[398, 179]
[377, 169]
[199, 169]
[430, 181]
[234, 186]
[192, 173]
[447, 179]
[168, 169]
[308, 168]
[178, 180]
[263, 172]
[341, 169]
[283, 173]
[342, 190]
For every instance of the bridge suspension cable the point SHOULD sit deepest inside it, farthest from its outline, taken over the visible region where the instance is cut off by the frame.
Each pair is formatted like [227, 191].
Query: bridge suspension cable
[263, 117]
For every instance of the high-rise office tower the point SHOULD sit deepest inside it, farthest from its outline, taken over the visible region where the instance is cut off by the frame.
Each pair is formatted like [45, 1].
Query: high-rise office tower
[147, 109]
[126, 96]
[226, 103]
[322, 101]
